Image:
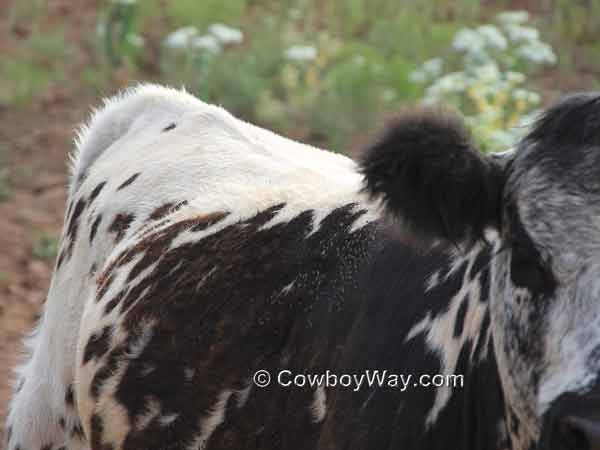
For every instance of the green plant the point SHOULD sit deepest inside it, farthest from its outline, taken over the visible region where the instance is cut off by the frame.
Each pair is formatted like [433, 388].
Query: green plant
[46, 247]
[118, 32]
[490, 86]
[4, 182]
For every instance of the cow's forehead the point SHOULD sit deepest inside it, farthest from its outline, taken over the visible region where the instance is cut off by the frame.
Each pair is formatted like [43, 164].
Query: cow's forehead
[557, 200]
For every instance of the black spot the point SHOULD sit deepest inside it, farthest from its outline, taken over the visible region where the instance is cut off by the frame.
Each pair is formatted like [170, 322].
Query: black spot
[70, 396]
[169, 127]
[47, 447]
[74, 222]
[96, 191]
[96, 431]
[120, 225]
[128, 181]
[62, 423]
[77, 431]
[111, 304]
[60, 259]
[161, 211]
[94, 227]
[104, 283]
[98, 344]
[460, 318]
[107, 369]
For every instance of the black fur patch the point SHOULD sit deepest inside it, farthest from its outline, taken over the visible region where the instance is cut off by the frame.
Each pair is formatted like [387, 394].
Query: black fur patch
[98, 344]
[128, 181]
[97, 191]
[61, 258]
[77, 431]
[96, 431]
[169, 127]
[94, 228]
[575, 120]
[459, 321]
[120, 225]
[161, 211]
[73, 227]
[429, 174]
[70, 396]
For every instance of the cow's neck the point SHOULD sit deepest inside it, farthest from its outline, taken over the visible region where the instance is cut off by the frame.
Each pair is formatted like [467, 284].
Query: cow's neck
[475, 417]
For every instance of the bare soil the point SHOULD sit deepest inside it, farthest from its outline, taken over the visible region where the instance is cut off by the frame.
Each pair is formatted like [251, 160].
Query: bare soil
[35, 140]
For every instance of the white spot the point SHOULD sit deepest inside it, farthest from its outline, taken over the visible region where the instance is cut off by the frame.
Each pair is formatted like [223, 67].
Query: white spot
[432, 281]
[147, 369]
[319, 405]
[168, 419]
[242, 396]
[203, 280]
[137, 347]
[439, 330]
[210, 422]
[288, 287]
[151, 410]
[189, 373]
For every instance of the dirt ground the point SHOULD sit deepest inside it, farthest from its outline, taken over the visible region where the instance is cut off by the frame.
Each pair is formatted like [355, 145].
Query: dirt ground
[36, 158]
[35, 140]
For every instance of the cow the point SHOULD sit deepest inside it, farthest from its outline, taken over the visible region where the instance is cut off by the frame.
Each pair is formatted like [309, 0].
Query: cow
[221, 287]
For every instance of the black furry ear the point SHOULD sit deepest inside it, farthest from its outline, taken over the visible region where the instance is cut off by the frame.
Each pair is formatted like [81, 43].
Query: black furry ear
[429, 175]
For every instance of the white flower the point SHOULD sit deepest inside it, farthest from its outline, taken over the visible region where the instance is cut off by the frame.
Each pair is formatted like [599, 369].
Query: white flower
[136, 40]
[181, 38]
[301, 53]
[467, 40]
[513, 17]
[454, 82]
[539, 53]
[518, 33]
[493, 37]
[500, 139]
[488, 73]
[100, 29]
[418, 76]
[206, 42]
[515, 77]
[534, 98]
[433, 67]
[226, 34]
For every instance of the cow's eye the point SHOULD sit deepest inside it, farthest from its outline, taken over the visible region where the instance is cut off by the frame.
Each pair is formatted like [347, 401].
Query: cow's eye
[528, 271]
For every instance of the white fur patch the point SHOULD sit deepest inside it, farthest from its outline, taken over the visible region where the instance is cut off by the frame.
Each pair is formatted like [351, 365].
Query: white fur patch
[211, 421]
[439, 330]
[319, 405]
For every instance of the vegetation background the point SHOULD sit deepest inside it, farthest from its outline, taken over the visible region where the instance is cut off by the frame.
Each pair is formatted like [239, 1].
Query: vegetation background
[328, 72]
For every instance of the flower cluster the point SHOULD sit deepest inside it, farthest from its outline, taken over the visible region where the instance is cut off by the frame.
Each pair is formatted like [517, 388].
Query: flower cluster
[217, 36]
[490, 87]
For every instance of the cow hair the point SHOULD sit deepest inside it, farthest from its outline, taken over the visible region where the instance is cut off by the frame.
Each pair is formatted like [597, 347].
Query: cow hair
[428, 173]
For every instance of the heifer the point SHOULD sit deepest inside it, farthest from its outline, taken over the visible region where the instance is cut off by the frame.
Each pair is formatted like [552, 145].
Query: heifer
[201, 254]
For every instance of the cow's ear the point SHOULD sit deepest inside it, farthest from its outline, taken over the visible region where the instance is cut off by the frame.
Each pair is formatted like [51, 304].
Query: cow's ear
[428, 174]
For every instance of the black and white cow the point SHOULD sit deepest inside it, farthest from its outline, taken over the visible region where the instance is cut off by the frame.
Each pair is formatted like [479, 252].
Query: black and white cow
[199, 249]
